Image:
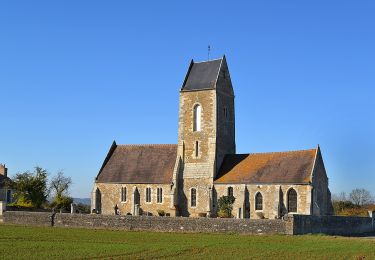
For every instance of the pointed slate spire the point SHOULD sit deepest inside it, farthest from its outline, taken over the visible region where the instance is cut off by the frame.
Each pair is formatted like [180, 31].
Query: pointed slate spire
[202, 75]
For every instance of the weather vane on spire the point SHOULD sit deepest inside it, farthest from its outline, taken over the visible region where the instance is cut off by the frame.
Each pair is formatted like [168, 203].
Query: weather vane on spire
[208, 53]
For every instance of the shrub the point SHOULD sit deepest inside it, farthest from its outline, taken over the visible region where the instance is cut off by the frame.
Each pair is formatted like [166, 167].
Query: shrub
[83, 208]
[225, 204]
[340, 206]
[223, 214]
[22, 203]
[161, 212]
[62, 203]
[347, 208]
[21, 206]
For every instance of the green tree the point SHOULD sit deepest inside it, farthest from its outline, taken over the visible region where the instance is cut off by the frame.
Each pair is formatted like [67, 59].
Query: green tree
[83, 208]
[62, 203]
[31, 188]
[225, 204]
[59, 187]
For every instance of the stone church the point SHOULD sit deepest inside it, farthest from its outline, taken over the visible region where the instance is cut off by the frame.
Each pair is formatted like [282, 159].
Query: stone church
[188, 178]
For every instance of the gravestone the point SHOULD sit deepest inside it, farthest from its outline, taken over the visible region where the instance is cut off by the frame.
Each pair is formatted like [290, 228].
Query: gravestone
[2, 207]
[372, 216]
[136, 210]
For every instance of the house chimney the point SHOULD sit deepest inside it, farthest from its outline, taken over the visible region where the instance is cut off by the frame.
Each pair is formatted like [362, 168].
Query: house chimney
[3, 170]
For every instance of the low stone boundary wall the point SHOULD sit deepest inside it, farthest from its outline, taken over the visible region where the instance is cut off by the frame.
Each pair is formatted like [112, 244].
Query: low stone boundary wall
[149, 223]
[332, 225]
[28, 218]
[293, 225]
[174, 224]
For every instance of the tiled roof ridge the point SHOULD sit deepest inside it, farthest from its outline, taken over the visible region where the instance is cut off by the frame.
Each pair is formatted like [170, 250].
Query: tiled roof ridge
[280, 152]
[140, 163]
[138, 145]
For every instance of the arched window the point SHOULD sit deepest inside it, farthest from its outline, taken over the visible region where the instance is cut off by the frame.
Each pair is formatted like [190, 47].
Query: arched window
[193, 197]
[258, 201]
[98, 201]
[230, 191]
[292, 200]
[123, 194]
[197, 118]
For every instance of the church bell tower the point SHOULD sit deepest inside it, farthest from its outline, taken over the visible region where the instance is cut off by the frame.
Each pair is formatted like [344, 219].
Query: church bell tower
[206, 131]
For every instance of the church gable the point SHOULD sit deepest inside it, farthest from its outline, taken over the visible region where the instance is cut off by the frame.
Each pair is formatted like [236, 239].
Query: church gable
[319, 171]
[321, 194]
[139, 164]
[224, 82]
[281, 167]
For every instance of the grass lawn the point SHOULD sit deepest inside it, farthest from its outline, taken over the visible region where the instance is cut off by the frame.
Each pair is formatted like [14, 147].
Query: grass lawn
[68, 243]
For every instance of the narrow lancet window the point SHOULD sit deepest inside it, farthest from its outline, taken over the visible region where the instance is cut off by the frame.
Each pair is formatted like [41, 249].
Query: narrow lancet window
[148, 194]
[196, 148]
[159, 195]
[193, 197]
[197, 118]
[123, 194]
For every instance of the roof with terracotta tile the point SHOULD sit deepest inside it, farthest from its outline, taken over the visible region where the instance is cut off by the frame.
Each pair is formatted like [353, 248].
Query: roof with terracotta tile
[278, 167]
[149, 163]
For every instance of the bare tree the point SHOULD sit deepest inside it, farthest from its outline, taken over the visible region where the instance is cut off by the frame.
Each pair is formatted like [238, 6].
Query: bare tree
[339, 197]
[342, 196]
[60, 185]
[360, 197]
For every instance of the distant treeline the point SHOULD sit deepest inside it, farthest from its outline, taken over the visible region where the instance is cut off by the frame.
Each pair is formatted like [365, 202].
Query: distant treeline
[357, 203]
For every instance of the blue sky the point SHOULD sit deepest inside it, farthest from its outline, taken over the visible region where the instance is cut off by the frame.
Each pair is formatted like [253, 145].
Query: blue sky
[76, 75]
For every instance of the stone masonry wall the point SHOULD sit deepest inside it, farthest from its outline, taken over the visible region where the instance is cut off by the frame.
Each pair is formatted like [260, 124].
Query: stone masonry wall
[196, 172]
[296, 224]
[202, 196]
[272, 194]
[225, 116]
[188, 100]
[28, 218]
[332, 225]
[168, 224]
[111, 195]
